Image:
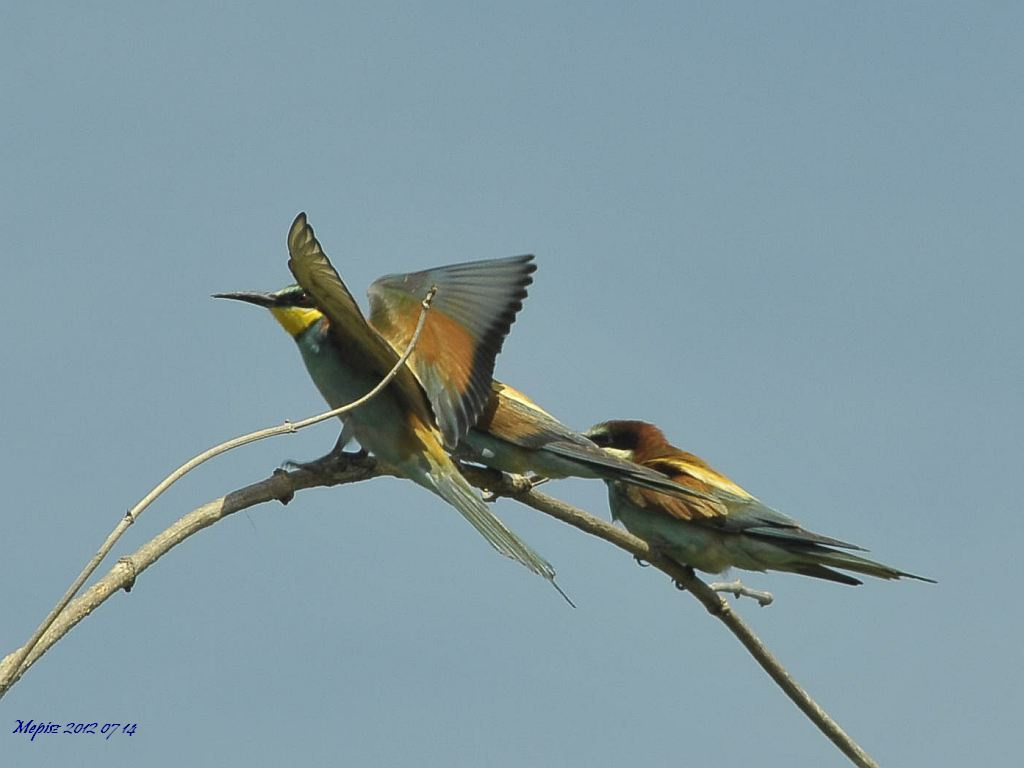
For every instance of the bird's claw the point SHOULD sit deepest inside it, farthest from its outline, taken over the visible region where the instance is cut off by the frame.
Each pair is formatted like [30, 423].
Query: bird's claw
[336, 459]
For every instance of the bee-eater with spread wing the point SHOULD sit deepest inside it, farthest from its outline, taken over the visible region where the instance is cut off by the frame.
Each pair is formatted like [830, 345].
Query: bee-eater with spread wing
[510, 432]
[738, 531]
[407, 426]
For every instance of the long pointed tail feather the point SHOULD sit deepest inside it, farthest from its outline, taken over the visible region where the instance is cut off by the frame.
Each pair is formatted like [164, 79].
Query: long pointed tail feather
[451, 486]
[819, 558]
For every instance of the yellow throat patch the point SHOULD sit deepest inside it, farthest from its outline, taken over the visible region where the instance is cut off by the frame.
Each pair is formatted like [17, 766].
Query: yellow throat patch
[296, 319]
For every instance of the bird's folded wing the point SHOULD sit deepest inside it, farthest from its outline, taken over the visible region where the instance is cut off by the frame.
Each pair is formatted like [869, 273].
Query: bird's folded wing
[691, 472]
[737, 510]
[469, 318]
[753, 517]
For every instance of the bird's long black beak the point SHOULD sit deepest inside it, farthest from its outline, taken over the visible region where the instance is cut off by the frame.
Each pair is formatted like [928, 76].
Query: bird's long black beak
[259, 299]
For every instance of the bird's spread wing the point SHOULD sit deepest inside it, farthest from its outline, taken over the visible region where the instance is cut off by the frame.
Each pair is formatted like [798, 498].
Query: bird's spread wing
[314, 272]
[469, 318]
[737, 511]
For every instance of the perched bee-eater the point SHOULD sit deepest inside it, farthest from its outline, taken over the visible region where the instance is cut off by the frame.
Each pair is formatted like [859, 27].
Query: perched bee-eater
[737, 531]
[407, 426]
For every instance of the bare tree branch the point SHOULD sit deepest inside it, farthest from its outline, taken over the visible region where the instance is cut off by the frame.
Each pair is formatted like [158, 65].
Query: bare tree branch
[133, 514]
[282, 485]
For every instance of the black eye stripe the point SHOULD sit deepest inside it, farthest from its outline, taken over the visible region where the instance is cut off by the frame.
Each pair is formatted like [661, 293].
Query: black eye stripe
[615, 438]
[294, 298]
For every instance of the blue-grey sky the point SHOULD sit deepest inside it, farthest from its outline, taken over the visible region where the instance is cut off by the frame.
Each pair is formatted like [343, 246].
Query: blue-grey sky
[787, 233]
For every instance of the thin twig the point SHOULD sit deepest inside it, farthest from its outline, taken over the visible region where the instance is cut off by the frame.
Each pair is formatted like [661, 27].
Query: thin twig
[133, 514]
[738, 589]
